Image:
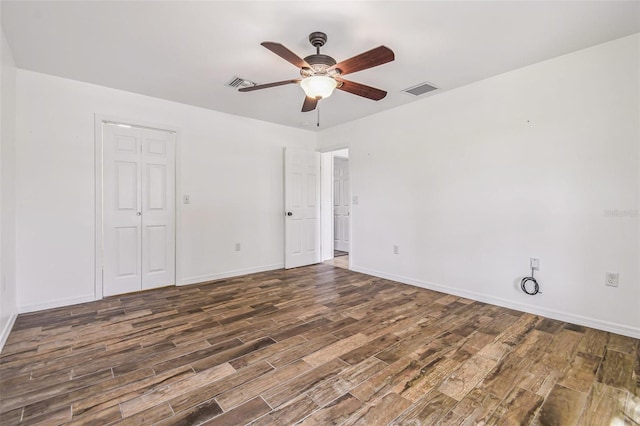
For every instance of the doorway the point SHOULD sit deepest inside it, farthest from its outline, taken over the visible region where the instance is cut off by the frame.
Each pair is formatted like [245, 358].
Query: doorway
[336, 208]
[136, 204]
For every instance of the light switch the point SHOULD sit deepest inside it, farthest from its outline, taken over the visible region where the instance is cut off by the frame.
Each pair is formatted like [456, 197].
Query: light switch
[186, 199]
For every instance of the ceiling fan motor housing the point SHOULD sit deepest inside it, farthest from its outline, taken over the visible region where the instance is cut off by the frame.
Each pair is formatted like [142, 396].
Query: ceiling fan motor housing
[319, 62]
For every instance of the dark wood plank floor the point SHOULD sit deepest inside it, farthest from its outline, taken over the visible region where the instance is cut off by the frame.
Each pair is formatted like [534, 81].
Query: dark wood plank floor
[314, 345]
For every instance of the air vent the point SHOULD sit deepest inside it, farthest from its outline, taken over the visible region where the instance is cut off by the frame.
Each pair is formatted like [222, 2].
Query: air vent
[238, 82]
[420, 89]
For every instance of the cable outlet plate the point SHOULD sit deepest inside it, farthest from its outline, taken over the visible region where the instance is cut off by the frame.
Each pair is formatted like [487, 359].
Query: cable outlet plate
[611, 279]
[534, 263]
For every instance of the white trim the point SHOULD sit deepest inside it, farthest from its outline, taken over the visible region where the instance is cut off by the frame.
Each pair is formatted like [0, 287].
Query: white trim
[177, 216]
[97, 259]
[99, 119]
[58, 303]
[7, 329]
[351, 245]
[230, 274]
[599, 324]
[326, 212]
[332, 148]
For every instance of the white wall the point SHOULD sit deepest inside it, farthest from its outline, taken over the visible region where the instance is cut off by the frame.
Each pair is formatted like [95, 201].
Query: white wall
[230, 166]
[8, 308]
[473, 182]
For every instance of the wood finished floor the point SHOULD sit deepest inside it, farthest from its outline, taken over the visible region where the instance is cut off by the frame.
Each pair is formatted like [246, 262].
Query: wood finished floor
[339, 262]
[314, 345]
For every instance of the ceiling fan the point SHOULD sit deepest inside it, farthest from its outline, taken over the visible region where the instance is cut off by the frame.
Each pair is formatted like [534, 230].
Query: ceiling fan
[321, 74]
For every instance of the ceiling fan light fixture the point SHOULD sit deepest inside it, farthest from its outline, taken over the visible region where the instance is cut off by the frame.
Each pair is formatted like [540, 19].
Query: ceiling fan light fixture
[318, 86]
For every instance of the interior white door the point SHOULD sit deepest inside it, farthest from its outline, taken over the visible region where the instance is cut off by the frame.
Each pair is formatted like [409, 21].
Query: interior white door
[121, 210]
[138, 209]
[158, 207]
[302, 207]
[341, 214]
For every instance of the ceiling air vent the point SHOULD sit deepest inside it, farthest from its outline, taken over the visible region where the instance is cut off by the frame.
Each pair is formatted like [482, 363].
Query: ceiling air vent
[420, 89]
[237, 82]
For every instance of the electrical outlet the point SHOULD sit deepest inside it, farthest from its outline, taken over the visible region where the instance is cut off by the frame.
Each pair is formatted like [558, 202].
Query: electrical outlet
[186, 199]
[237, 246]
[395, 249]
[611, 279]
[534, 263]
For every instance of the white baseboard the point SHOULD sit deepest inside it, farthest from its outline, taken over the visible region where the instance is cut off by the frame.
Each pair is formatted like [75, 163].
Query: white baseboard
[55, 303]
[6, 330]
[612, 327]
[229, 274]
[192, 280]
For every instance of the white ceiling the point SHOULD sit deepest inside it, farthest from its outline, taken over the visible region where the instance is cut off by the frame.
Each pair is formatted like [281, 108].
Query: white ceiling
[187, 51]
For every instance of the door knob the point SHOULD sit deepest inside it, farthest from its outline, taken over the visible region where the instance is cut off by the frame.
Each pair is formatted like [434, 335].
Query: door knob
[139, 214]
[289, 214]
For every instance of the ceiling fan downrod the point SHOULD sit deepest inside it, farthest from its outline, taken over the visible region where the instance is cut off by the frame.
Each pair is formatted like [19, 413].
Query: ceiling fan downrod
[319, 62]
[317, 40]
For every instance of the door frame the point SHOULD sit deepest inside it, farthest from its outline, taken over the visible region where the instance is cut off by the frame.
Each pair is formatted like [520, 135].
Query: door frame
[99, 120]
[326, 197]
[346, 159]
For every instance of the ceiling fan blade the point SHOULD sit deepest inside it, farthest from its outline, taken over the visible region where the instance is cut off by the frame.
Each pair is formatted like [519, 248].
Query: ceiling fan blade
[309, 104]
[361, 89]
[369, 59]
[286, 54]
[267, 85]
